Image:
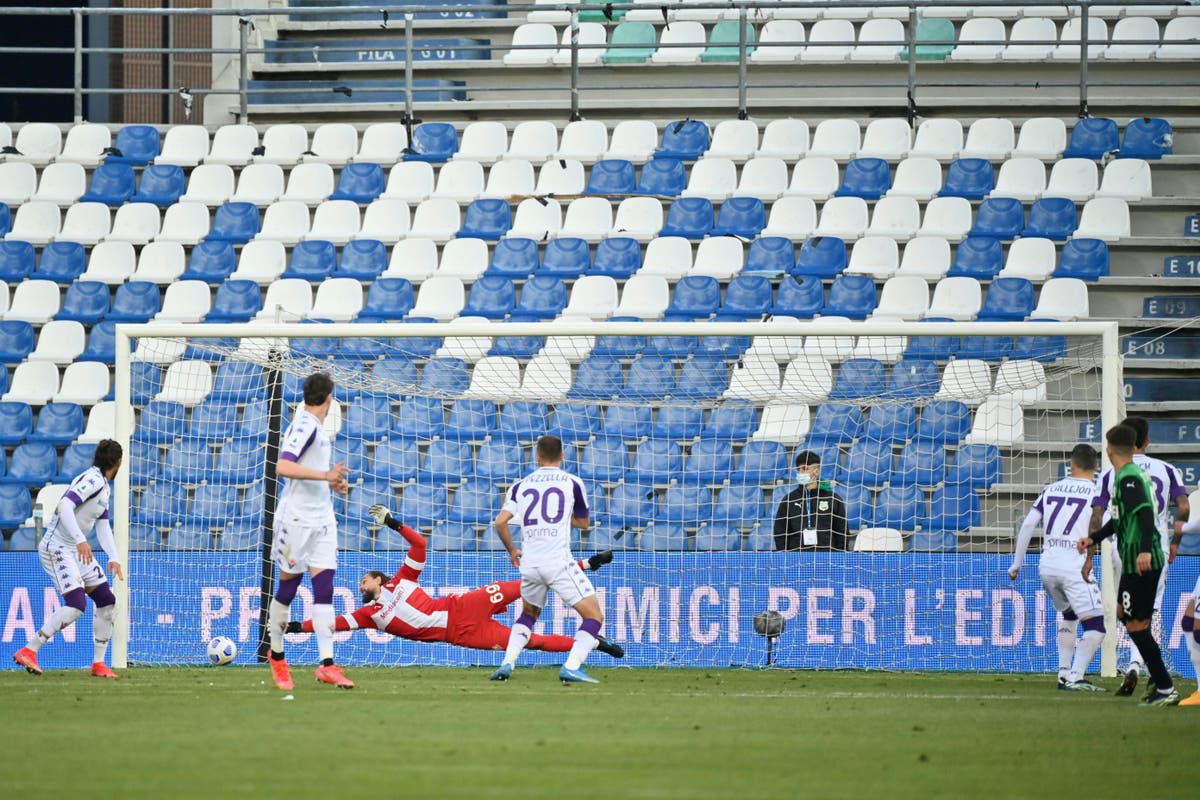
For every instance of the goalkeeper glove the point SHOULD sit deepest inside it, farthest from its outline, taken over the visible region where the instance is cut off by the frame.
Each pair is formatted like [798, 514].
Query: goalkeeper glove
[382, 516]
[598, 560]
[294, 627]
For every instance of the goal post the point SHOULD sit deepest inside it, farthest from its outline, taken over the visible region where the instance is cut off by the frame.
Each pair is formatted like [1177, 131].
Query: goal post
[689, 579]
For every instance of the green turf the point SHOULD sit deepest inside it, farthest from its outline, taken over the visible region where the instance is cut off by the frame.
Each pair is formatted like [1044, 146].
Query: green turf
[451, 733]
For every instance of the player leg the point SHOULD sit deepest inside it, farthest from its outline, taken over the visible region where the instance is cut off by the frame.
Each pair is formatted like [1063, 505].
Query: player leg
[322, 562]
[102, 626]
[1191, 635]
[573, 586]
[1136, 595]
[533, 600]
[1086, 603]
[1067, 621]
[1135, 657]
[66, 573]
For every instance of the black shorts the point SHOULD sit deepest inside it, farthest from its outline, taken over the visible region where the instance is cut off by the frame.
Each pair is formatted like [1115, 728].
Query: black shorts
[1135, 595]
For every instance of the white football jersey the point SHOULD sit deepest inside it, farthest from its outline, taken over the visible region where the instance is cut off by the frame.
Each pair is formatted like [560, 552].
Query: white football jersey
[305, 443]
[543, 504]
[1167, 482]
[90, 493]
[1065, 506]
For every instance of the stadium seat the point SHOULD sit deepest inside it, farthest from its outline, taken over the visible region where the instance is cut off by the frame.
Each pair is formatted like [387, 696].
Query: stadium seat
[432, 142]
[948, 218]
[1085, 259]
[533, 140]
[17, 261]
[979, 39]
[111, 184]
[235, 301]
[895, 217]
[234, 222]
[613, 176]
[136, 145]
[1073, 178]
[1051, 218]
[85, 301]
[662, 176]
[409, 182]
[617, 257]
[1021, 178]
[336, 221]
[1008, 299]
[560, 178]
[740, 505]
[484, 141]
[874, 256]
[957, 298]
[746, 297]
[1032, 258]
[1092, 138]
[655, 461]
[903, 297]
[16, 506]
[542, 297]
[912, 378]
[1062, 299]
[741, 216]
[998, 420]
[135, 301]
[814, 177]
[970, 178]
[588, 218]
[712, 177]
[868, 178]
[36, 143]
[808, 378]
[604, 460]
[644, 297]
[565, 257]
[894, 424]
[843, 217]
[989, 138]
[422, 505]
[1152, 138]
[509, 178]
[976, 466]
[1128, 179]
[514, 258]
[1105, 218]
[822, 257]
[471, 420]
[978, 257]
[966, 380]
[719, 256]
[851, 296]
[859, 378]
[690, 218]
[835, 423]
[868, 464]
[694, 297]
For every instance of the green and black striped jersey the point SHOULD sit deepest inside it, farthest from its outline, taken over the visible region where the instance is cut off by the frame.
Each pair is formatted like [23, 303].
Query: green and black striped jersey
[1134, 493]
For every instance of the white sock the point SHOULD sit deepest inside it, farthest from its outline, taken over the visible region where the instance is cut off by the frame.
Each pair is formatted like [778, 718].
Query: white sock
[1085, 651]
[584, 644]
[516, 642]
[1066, 645]
[322, 618]
[277, 620]
[102, 629]
[57, 621]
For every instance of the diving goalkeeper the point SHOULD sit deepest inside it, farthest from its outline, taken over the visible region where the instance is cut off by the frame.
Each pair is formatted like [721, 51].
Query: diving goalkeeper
[399, 606]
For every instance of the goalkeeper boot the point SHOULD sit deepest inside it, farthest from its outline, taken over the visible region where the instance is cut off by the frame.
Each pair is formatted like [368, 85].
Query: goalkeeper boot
[502, 673]
[101, 670]
[280, 673]
[1191, 700]
[27, 659]
[1080, 686]
[1129, 683]
[575, 676]
[609, 647]
[597, 560]
[1157, 698]
[333, 676]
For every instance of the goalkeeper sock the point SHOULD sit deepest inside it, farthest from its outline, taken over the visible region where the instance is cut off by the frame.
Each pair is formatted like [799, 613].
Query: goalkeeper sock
[585, 642]
[322, 617]
[522, 629]
[1066, 644]
[277, 620]
[1086, 647]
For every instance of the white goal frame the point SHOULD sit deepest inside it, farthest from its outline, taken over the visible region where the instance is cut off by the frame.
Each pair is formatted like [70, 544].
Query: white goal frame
[1111, 399]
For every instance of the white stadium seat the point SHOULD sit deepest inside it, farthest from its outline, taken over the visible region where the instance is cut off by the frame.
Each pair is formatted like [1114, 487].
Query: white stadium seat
[84, 383]
[669, 257]
[185, 223]
[460, 181]
[719, 257]
[1062, 299]
[18, 182]
[979, 39]
[211, 184]
[1030, 257]
[1021, 178]
[414, 259]
[441, 298]
[33, 382]
[533, 140]
[283, 145]
[286, 221]
[593, 296]
[886, 138]
[184, 146]
[714, 178]
[644, 297]
[33, 301]
[829, 40]
[925, 257]
[784, 138]
[335, 221]
[1181, 40]
[903, 296]
[333, 143]
[764, 177]
[875, 256]
[410, 181]
[896, 217]
[85, 144]
[540, 37]
[989, 138]
[786, 423]
[261, 261]
[36, 223]
[754, 378]
[879, 40]
[101, 423]
[287, 300]
[232, 145]
[1104, 218]
[735, 139]
[186, 382]
[588, 218]
[633, 140]
[815, 177]
[484, 142]
[509, 178]
[161, 263]
[1073, 178]
[843, 217]
[792, 217]
[112, 263]
[1022, 379]
[1068, 39]
[59, 342]
[1133, 39]
[86, 223]
[680, 43]
[591, 45]
[583, 140]
[1127, 179]
[918, 177]
[386, 220]
[968, 380]
[382, 143]
[638, 217]
[136, 223]
[560, 176]
[938, 138]
[309, 182]
[835, 138]
[831, 348]
[436, 218]
[999, 420]
[1032, 39]
[1041, 137]
[807, 379]
[185, 301]
[494, 377]
[37, 143]
[947, 217]
[956, 298]
[537, 219]
[61, 183]
[465, 259]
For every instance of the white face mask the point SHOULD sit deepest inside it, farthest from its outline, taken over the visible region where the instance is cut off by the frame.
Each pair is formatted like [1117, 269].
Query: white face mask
[803, 478]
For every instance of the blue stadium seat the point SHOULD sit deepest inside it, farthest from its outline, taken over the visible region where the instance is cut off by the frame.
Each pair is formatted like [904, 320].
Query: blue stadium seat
[944, 422]
[58, 423]
[726, 348]
[836, 423]
[631, 505]
[913, 378]
[731, 421]
[611, 538]
[145, 381]
[685, 139]
[359, 181]
[190, 461]
[421, 418]
[979, 257]
[360, 498]
[516, 257]
[76, 459]
[687, 504]
[689, 217]
[675, 348]
[868, 178]
[61, 262]
[597, 377]
[499, 461]
[189, 535]
[771, 256]
[161, 422]
[921, 463]
[972, 178]
[235, 301]
[662, 176]
[17, 340]
[85, 302]
[16, 261]
[565, 257]
[680, 423]
[475, 503]
[976, 465]
[741, 506]
[144, 537]
[629, 423]
[761, 462]
[161, 184]
[471, 420]
[575, 423]
[1086, 259]
[211, 262]
[363, 260]
[254, 421]
[32, 464]
[852, 296]
[999, 218]
[612, 176]
[312, 260]
[859, 378]
[954, 507]
[1149, 138]
[136, 145]
[251, 512]
[701, 378]
[663, 536]
[446, 536]
[243, 536]
[694, 297]
[650, 377]
[369, 419]
[238, 382]
[23, 539]
[760, 538]
[802, 297]
[492, 296]
[744, 217]
[894, 424]
[388, 300]
[162, 504]
[1052, 218]
[135, 301]
[718, 537]
[434, 142]
[899, 507]
[655, 461]
[542, 297]
[396, 461]
[1008, 299]
[1092, 137]
[987, 348]
[234, 222]
[486, 218]
[521, 348]
[933, 542]
[5, 219]
[522, 421]
[112, 184]
[212, 421]
[622, 347]
[239, 462]
[868, 463]
[1040, 348]
[938, 348]
[446, 377]
[709, 463]
[351, 453]
[604, 460]
[617, 257]
[16, 506]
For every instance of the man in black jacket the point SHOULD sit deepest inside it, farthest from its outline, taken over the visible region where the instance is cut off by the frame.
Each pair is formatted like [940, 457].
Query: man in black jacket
[812, 516]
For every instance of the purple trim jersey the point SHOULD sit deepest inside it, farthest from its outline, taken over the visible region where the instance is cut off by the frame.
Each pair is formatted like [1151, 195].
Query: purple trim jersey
[543, 503]
[90, 493]
[1065, 514]
[306, 444]
[1167, 483]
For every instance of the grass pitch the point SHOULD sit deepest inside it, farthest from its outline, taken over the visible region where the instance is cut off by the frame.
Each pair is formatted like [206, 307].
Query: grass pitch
[451, 733]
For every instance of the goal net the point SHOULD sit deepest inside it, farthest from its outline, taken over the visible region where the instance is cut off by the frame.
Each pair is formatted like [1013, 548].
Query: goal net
[936, 437]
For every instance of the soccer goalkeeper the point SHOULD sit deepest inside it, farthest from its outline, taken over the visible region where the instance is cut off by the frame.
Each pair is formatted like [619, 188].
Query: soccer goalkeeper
[399, 606]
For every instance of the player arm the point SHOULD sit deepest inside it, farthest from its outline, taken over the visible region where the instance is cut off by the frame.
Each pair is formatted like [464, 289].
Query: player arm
[414, 561]
[66, 517]
[1024, 536]
[293, 470]
[580, 513]
[104, 533]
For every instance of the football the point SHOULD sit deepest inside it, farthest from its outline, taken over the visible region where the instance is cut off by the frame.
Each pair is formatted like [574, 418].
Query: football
[221, 650]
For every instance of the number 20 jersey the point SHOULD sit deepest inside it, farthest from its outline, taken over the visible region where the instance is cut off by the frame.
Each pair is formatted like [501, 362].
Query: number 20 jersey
[543, 504]
[1065, 506]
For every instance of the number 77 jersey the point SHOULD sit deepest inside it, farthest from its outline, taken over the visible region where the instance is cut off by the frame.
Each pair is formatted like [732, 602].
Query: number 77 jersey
[1065, 509]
